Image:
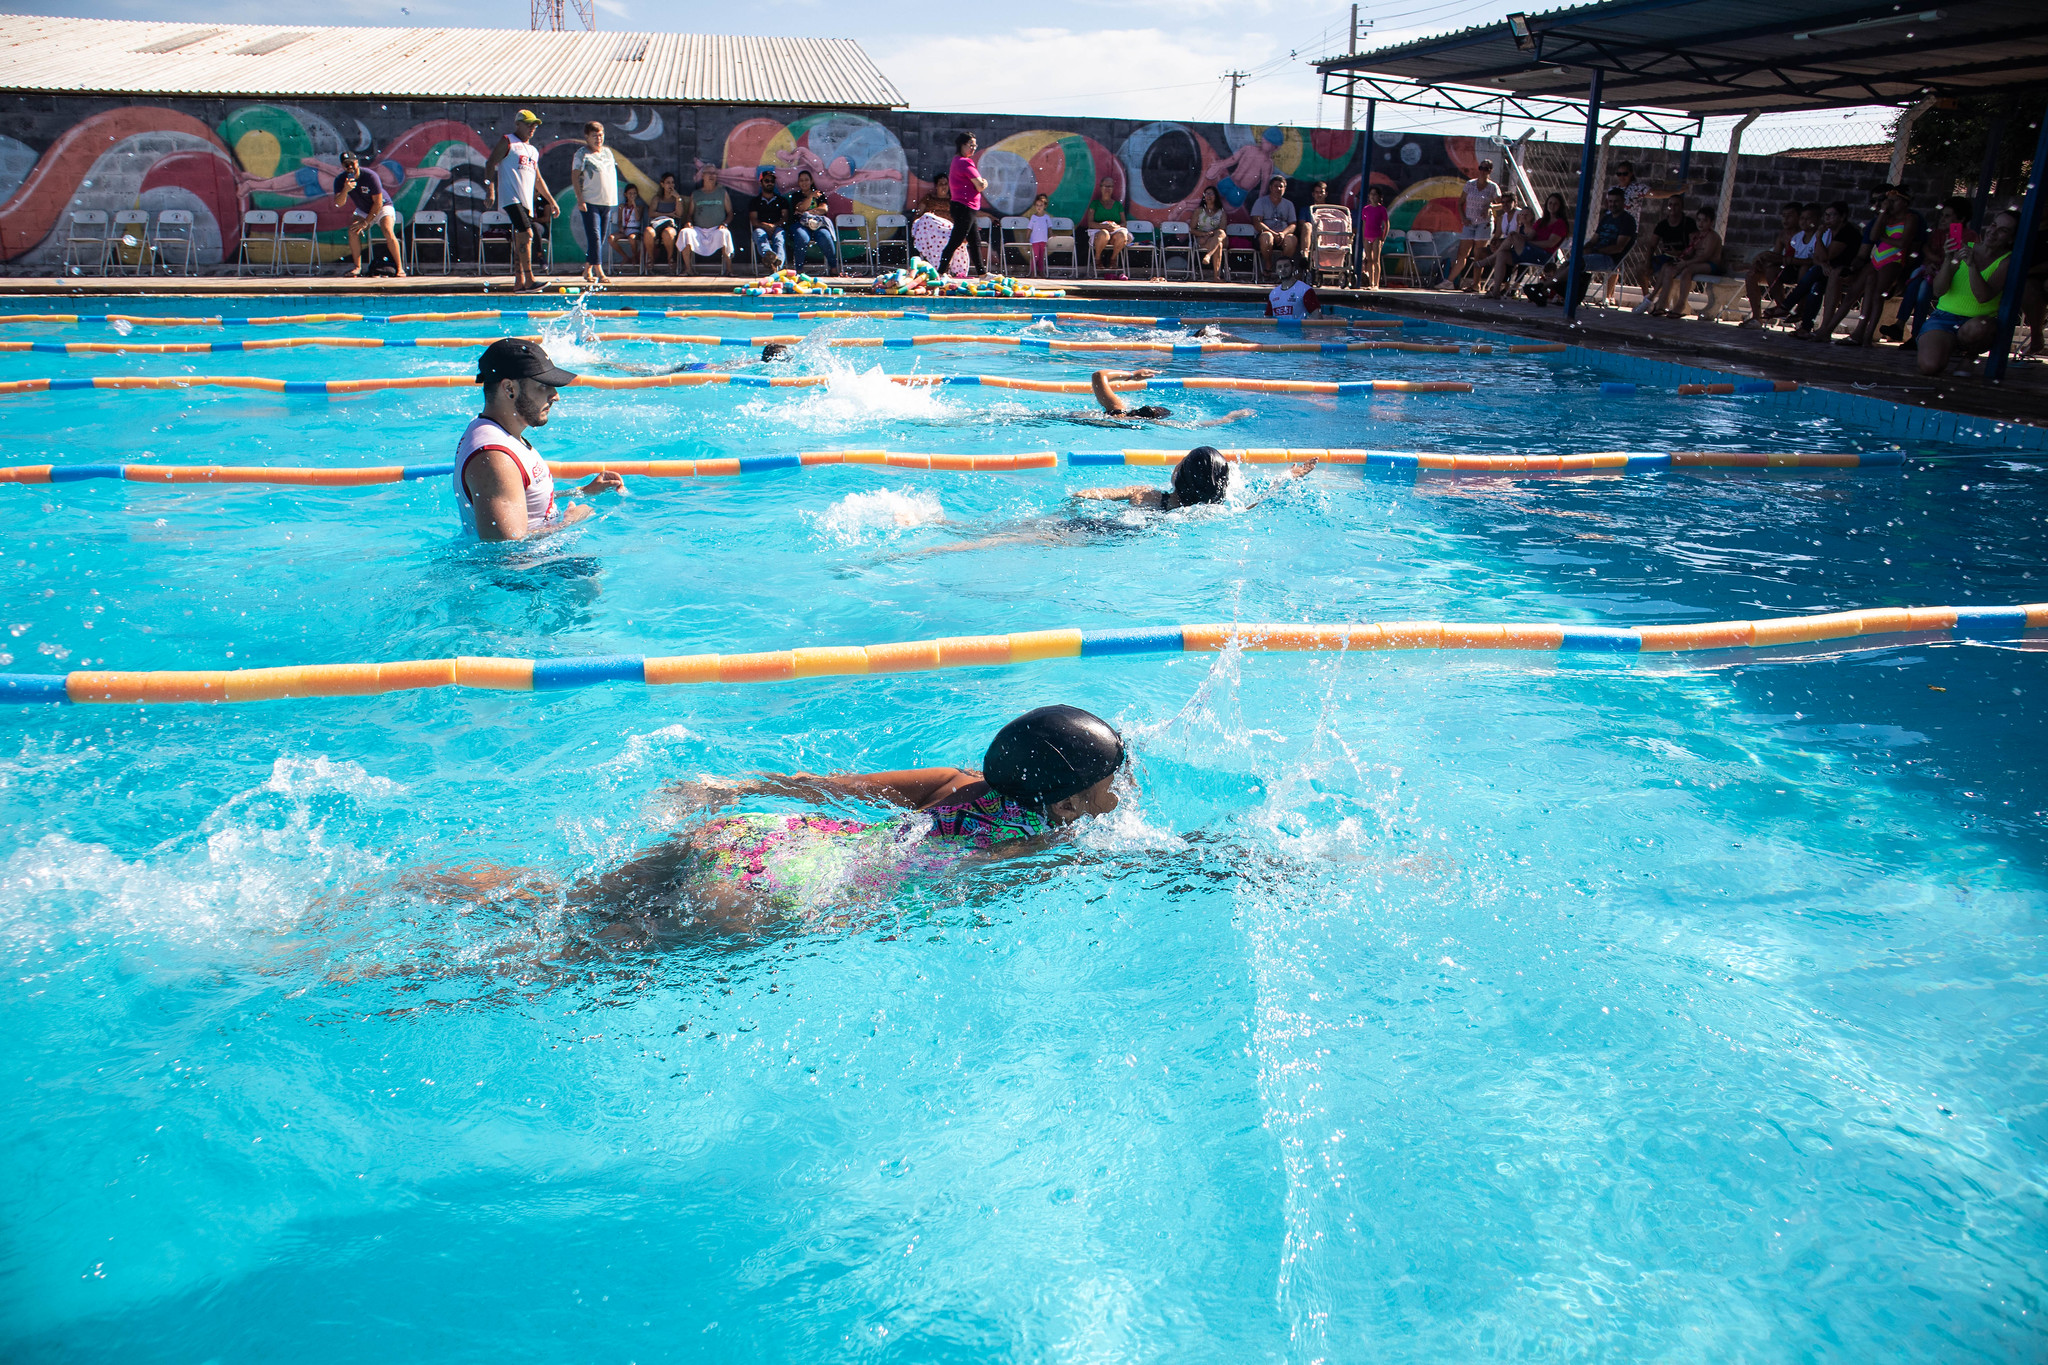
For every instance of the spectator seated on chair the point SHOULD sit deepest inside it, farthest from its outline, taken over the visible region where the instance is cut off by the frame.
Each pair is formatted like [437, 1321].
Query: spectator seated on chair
[1533, 241]
[1806, 249]
[1210, 239]
[1835, 258]
[1916, 300]
[627, 224]
[710, 232]
[1104, 223]
[1510, 232]
[810, 224]
[1670, 234]
[1775, 269]
[1897, 239]
[767, 218]
[1701, 256]
[664, 222]
[1608, 243]
[1277, 222]
[1967, 288]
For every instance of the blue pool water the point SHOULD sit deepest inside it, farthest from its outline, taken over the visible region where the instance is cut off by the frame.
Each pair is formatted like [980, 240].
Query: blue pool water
[1413, 1006]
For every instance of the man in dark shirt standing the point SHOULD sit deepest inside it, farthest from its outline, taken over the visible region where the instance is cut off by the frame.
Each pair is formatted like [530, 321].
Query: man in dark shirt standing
[769, 215]
[1606, 247]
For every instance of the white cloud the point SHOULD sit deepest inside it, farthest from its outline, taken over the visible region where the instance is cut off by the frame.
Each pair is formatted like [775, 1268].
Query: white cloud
[1141, 73]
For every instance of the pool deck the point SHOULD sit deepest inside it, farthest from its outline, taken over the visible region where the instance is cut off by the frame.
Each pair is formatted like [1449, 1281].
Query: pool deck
[1885, 372]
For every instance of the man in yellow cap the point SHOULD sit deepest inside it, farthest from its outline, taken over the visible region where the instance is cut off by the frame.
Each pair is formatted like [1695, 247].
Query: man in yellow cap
[516, 164]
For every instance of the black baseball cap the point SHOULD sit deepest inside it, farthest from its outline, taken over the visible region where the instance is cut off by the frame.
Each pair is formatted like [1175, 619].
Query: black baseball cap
[518, 358]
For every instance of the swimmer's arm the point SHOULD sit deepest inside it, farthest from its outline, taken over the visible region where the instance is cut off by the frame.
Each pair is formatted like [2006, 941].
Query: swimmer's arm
[1101, 380]
[1137, 495]
[911, 788]
[1225, 420]
[605, 482]
[1299, 471]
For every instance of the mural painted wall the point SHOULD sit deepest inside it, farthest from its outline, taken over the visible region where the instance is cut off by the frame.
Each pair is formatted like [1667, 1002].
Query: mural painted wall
[219, 159]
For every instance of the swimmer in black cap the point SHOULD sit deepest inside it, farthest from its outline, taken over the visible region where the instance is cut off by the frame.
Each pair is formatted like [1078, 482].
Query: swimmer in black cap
[1114, 405]
[772, 352]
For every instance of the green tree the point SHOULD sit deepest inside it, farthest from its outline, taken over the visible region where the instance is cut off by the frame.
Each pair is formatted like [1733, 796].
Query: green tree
[1950, 138]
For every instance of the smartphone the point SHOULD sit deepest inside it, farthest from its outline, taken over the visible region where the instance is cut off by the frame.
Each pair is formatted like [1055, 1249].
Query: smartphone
[1955, 236]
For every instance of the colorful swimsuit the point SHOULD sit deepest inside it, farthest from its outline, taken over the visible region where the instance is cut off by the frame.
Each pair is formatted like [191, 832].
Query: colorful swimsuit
[1885, 251]
[802, 864]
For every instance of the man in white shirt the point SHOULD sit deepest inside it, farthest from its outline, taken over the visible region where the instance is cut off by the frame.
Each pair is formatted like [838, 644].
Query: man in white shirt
[503, 489]
[1278, 222]
[515, 166]
[1293, 298]
[1480, 197]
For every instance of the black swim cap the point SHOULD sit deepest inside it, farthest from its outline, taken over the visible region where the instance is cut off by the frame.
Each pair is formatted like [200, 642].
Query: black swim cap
[1050, 754]
[1201, 476]
[773, 352]
[1151, 410]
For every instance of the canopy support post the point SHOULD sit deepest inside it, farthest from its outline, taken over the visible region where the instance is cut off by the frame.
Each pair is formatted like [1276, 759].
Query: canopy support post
[1364, 198]
[2017, 265]
[1902, 137]
[1579, 225]
[1727, 203]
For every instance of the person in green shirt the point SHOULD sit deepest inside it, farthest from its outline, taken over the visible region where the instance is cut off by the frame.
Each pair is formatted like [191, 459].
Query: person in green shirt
[1967, 289]
[1104, 224]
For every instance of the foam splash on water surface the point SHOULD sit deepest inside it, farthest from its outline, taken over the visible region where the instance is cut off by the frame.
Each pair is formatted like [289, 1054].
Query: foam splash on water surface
[861, 518]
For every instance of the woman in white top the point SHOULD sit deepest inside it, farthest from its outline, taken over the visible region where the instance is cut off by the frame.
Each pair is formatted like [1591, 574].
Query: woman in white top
[597, 194]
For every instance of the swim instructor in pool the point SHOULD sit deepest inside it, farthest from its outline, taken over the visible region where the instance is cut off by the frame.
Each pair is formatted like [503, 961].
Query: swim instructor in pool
[503, 488]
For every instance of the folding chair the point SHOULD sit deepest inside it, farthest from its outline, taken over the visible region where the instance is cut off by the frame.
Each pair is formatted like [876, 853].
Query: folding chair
[1144, 246]
[892, 241]
[1118, 261]
[985, 229]
[1177, 243]
[1422, 253]
[1241, 240]
[494, 225]
[429, 229]
[127, 242]
[1063, 241]
[87, 235]
[174, 229]
[259, 228]
[854, 245]
[1016, 233]
[1329, 252]
[301, 227]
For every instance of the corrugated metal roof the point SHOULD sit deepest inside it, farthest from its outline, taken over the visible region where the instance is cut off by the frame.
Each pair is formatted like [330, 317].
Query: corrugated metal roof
[1710, 57]
[114, 57]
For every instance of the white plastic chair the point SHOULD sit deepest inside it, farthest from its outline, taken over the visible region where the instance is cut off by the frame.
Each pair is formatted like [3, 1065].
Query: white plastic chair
[85, 245]
[1119, 260]
[854, 244]
[494, 225]
[892, 239]
[1016, 233]
[1063, 241]
[1177, 243]
[175, 231]
[1144, 245]
[429, 229]
[1241, 239]
[300, 228]
[259, 228]
[1422, 252]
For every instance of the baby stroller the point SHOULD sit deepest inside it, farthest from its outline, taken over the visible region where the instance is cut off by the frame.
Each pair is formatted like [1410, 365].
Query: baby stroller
[1331, 227]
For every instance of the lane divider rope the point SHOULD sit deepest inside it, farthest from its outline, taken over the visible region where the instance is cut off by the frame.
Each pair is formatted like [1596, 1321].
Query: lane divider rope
[805, 315]
[1177, 348]
[1600, 462]
[86, 686]
[693, 379]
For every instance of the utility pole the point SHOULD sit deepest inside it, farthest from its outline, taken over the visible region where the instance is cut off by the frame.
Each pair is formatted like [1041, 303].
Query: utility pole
[1351, 84]
[1236, 79]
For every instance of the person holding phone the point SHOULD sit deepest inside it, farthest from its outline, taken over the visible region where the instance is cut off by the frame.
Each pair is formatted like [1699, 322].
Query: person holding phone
[366, 192]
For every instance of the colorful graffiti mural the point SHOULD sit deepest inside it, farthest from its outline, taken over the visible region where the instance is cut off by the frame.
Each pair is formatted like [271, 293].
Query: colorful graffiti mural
[221, 159]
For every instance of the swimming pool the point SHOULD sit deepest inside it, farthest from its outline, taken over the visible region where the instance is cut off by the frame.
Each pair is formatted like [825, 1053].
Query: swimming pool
[1414, 1006]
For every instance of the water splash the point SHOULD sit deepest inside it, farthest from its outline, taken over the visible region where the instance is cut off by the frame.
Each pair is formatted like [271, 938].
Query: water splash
[863, 518]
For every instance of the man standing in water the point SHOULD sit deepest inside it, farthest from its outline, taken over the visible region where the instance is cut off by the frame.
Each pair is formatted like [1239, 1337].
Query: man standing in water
[504, 490]
[516, 165]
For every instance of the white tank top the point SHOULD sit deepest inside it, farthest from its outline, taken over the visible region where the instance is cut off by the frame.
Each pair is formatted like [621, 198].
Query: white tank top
[516, 174]
[1290, 303]
[484, 434]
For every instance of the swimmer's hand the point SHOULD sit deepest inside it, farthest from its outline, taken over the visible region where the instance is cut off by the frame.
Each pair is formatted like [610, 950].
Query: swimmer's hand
[606, 482]
[1302, 470]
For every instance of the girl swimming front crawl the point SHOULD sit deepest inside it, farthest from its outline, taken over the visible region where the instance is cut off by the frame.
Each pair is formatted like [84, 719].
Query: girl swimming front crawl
[736, 873]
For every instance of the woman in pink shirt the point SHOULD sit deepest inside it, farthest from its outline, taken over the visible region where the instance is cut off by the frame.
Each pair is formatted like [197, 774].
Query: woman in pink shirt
[966, 183]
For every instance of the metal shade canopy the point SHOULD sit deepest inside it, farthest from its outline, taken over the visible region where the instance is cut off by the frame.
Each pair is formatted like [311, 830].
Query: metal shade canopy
[1716, 57]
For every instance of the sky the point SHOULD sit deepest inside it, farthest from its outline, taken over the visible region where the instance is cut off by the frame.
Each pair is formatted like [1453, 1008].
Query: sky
[1143, 59]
